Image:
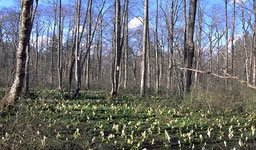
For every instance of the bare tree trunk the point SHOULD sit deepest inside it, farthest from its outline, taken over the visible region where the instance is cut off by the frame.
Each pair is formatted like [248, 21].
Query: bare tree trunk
[53, 45]
[27, 75]
[60, 50]
[247, 66]
[227, 41]
[72, 60]
[254, 44]
[99, 52]
[27, 70]
[126, 46]
[233, 38]
[148, 78]
[144, 50]
[170, 42]
[190, 44]
[157, 52]
[37, 53]
[161, 60]
[210, 53]
[87, 72]
[200, 18]
[185, 41]
[77, 49]
[118, 50]
[24, 36]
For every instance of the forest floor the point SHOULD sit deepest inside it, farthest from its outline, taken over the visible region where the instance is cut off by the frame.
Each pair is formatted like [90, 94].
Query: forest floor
[51, 120]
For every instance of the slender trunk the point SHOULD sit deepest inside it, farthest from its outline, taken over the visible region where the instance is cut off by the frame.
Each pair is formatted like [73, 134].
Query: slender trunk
[27, 70]
[134, 71]
[247, 66]
[77, 50]
[185, 43]
[156, 52]
[190, 44]
[210, 53]
[233, 38]
[72, 60]
[126, 46]
[200, 15]
[53, 46]
[161, 60]
[100, 51]
[170, 46]
[87, 72]
[254, 44]
[118, 51]
[144, 50]
[227, 42]
[37, 53]
[60, 50]
[148, 78]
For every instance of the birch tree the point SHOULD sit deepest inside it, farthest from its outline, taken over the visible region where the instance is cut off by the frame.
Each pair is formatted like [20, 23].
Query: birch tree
[144, 50]
[24, 36]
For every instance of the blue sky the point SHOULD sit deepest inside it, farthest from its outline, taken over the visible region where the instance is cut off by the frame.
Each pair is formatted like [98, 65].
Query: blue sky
[8, 3]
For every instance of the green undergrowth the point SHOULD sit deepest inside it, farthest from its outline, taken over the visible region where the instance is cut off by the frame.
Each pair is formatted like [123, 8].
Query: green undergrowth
[52, 120]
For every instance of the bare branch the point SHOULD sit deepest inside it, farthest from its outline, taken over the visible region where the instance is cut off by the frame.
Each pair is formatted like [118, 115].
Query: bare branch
[228, 76]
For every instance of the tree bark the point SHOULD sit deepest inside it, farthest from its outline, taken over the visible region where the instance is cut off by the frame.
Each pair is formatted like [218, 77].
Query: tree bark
[118, 50]
[247, 57]
[156, 52]
[24, 36]
[27, 67]
[190, 44]
[77, 50]
[27, 75]
[254, 44]
[227, 41]
[53, 45]
[126, 45]
[60, 50]
[87, 72]
[200, 21]
[233, 38]
[144, 50]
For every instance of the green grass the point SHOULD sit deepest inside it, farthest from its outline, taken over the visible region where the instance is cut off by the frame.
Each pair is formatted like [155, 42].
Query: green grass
[51, 120]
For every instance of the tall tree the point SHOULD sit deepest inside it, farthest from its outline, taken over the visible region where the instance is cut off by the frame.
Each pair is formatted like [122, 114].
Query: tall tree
[227, 41]
[87, 72]
[27, 65]
[190, 44]
[126, 45]
[254, 44]
[200, 27]
[247, 57]
[170, 45]
[60, 50]
[24, 36]
[118, 50]
[156, 52]
[77, 49]
[233, 37]
[144, 50]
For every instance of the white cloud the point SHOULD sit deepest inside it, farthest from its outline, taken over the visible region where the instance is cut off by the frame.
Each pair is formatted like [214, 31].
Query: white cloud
[236, 37]
[135, 23]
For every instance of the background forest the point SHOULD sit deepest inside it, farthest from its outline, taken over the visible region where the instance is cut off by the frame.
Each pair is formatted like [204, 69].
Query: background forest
[128, 74]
